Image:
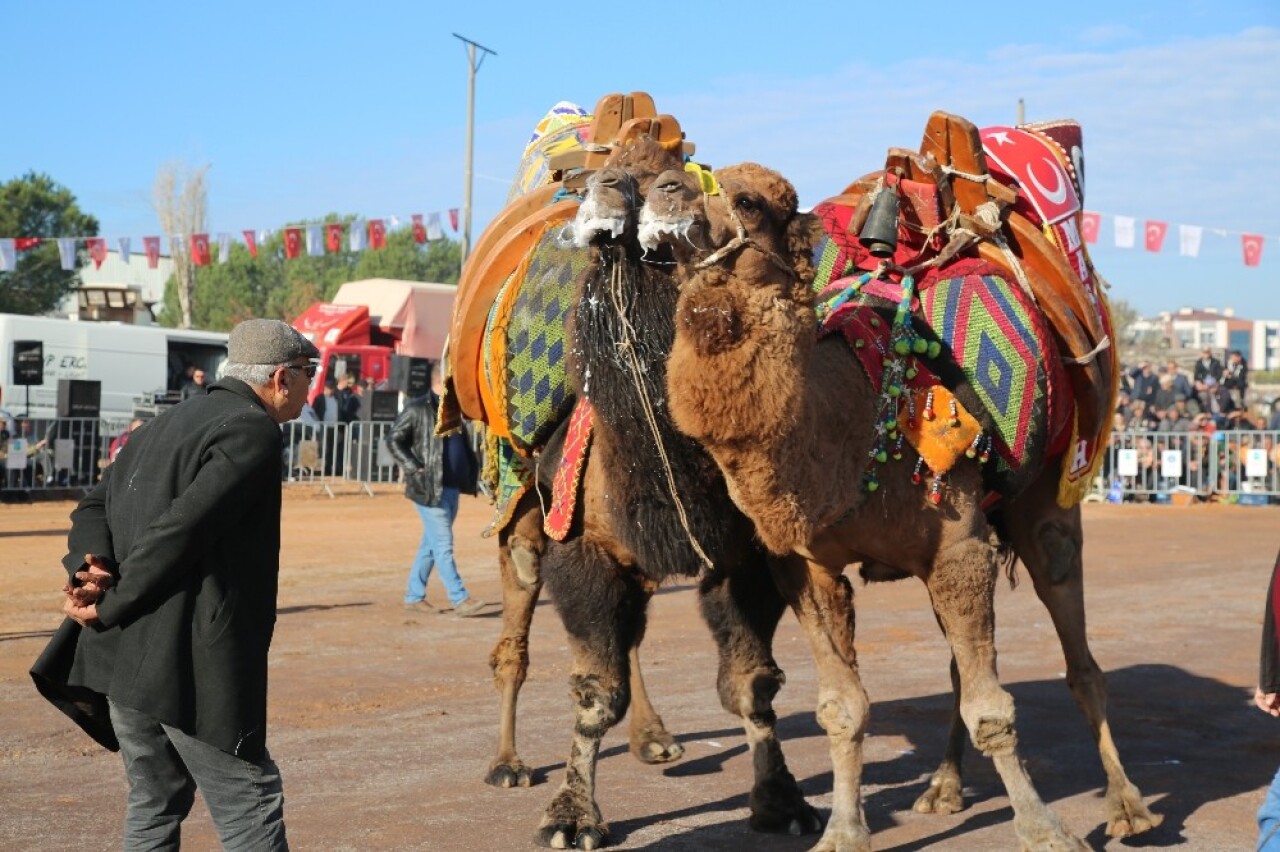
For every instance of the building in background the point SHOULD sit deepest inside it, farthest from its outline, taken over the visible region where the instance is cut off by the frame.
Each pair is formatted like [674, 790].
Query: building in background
[119, 291]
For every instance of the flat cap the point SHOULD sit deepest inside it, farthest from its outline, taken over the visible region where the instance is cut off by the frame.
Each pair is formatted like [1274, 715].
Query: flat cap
[268, 341]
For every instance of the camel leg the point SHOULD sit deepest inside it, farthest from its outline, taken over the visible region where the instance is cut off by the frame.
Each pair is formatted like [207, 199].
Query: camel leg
[962, 588]
[823, 602]
[1049, 541]
[650, 740]
[945, 794]
[603, 610]
[520, 546]
[742, 607]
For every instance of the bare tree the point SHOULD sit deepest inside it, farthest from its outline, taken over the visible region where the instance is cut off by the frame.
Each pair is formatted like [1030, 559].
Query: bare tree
[180, 200]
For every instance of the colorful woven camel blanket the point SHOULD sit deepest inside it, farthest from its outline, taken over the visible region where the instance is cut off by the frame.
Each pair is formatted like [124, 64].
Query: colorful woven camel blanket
[990, 330]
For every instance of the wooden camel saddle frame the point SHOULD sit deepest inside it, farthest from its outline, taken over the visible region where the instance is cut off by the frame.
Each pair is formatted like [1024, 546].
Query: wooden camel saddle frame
[510, 237]
[952, 146]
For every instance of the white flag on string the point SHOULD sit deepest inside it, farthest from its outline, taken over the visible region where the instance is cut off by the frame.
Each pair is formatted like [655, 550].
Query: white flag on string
[1124, 232]
[359, 235]
[315, 240]
[67, 253]
[224, 248]
[1189, 240]
[8, 254]
[434, 231]
[124, 248]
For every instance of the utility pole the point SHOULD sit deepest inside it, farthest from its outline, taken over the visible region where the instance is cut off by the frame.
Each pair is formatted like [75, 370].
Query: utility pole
[472, 67]
[1022, 113]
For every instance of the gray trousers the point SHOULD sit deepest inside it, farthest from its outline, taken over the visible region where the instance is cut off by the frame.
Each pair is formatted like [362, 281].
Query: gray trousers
[164, 768]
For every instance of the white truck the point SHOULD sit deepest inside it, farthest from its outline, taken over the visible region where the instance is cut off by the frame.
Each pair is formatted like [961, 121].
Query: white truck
[132, 362]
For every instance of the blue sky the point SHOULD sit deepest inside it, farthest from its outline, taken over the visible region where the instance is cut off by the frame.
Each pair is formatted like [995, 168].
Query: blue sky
[302, 109]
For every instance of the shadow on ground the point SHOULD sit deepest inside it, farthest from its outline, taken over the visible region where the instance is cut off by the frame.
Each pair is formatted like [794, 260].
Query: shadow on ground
[1186, 741]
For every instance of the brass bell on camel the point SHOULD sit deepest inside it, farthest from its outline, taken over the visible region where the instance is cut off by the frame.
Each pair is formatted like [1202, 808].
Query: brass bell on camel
[879, 234]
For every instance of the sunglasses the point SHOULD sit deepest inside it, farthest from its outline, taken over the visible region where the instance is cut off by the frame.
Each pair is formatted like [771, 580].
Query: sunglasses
[310, 369]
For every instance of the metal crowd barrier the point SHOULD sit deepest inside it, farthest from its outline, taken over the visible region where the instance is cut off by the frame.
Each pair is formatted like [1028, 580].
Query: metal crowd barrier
[1240, 466]
[60, 454]
[329, 454]
[56, 454]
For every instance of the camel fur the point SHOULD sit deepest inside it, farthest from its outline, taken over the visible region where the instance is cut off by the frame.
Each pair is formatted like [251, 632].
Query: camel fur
[789, 419]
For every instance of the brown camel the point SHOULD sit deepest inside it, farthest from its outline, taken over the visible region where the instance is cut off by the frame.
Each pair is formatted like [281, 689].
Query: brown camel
[787, 417]
[653, 506]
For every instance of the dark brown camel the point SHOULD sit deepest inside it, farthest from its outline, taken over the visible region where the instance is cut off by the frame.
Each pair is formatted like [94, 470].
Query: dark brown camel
[653, 506]
[787, 418]
[521, 544]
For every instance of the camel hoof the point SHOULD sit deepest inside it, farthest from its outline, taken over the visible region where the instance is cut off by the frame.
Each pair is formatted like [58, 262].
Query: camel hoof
[847, 840]
[943, 796]
[571, 837]
[572, 821]
[1133, 824]
[508, 775]
[778, 807]
[656, 747]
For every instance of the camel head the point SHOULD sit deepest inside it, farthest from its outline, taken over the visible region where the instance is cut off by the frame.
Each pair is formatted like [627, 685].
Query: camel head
[610, 207]
[747, 226]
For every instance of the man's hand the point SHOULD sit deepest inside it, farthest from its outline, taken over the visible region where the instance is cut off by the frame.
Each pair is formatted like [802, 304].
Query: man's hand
[89, 584]
[1267, 702]
[85, 616]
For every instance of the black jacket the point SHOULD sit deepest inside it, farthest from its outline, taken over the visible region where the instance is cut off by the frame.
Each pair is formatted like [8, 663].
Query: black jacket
[189, 516]
[415, 445]
[1269, 658]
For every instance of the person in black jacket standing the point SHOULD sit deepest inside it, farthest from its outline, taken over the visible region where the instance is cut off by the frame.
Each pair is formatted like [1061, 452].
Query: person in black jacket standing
[171, 600]
[436, 470]
[1266, 695]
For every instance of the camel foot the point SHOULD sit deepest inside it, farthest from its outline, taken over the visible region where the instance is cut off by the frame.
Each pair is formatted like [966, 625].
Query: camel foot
[509, 773]
[778, 807]
[1127, 814]
[571, 823]
[652, 744]
[845, 839]
[944, 795]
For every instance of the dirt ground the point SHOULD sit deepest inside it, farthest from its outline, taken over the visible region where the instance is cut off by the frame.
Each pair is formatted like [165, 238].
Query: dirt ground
[384, 722]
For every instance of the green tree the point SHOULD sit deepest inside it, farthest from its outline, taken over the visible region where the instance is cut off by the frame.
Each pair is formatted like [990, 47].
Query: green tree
[34, 205]
[272, 286]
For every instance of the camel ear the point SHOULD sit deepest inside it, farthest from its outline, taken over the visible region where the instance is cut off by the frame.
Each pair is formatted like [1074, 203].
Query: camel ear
[804, 233]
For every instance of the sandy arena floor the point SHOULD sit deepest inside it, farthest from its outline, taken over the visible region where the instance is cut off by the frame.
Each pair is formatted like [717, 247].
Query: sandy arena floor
[384, 722]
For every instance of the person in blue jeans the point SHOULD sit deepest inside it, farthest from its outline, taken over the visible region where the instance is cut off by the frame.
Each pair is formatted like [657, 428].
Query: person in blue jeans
[1267, 696]
[436, 470]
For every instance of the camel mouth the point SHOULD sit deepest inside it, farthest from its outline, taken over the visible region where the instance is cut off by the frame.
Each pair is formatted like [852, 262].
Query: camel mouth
[656, 231]
[594, 225]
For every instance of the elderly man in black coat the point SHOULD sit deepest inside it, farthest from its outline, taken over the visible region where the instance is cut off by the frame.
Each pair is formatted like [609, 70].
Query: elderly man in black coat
[171, 602]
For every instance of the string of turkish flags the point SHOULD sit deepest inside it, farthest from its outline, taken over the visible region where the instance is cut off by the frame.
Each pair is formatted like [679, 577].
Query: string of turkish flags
[313, 240]
[1190, 237]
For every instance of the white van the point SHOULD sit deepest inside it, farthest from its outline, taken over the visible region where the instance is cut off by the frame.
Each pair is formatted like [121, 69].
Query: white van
[130, 361]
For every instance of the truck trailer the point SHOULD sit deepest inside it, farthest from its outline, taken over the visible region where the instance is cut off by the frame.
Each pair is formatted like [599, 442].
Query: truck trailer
[129, 363]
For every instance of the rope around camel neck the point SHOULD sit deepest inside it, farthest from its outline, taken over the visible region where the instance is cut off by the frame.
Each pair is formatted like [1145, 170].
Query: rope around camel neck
[628, 345]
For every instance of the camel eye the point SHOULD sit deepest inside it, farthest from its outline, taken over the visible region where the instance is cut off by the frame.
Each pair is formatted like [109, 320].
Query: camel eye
[746, 203]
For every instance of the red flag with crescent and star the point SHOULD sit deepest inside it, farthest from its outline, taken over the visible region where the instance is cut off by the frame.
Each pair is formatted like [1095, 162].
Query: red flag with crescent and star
[419, 229]
[292, 242]
[377, 234]
[251, 240]
[200, 249]
[151, 247]
[333, 237]
[453, 218]
[1252, 245]
[97, 250]
[1155, 232]
[1090, 223]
